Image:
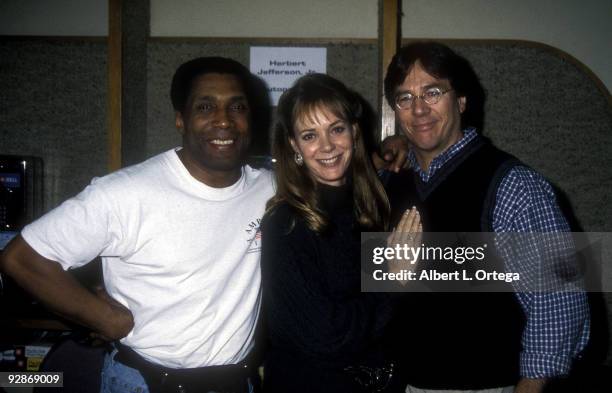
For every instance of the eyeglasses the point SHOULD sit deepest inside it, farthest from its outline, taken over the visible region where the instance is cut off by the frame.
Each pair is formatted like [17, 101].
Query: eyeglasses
[432, 96]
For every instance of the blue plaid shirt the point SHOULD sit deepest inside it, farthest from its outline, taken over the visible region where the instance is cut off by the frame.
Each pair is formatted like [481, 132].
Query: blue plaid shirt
[558, 323]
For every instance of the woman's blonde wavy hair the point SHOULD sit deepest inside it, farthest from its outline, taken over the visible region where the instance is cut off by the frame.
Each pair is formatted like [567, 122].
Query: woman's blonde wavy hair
[295, 185]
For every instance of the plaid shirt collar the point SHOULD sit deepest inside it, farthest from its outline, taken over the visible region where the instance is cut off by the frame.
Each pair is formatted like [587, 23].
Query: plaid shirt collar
[468, 135]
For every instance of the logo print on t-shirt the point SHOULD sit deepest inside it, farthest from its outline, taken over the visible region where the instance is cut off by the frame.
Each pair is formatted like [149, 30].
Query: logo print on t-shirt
[254, 236]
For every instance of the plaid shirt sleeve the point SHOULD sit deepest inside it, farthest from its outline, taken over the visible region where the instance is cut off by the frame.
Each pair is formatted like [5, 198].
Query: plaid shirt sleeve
[557, 323]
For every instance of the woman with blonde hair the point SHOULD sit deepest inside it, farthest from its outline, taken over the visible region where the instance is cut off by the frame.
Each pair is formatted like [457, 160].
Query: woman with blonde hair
[323, 333]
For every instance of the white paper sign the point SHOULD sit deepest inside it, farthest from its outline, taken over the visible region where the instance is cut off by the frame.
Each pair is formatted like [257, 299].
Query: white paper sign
[280, 67]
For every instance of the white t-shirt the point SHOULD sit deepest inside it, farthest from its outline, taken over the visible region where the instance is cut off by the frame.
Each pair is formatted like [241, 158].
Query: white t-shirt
[181, 256]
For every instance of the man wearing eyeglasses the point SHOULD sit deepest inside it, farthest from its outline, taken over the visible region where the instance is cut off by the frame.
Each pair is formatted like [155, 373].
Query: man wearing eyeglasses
[492, 342]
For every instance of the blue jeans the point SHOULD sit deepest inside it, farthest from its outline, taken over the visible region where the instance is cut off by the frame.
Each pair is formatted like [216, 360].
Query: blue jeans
[119, 378]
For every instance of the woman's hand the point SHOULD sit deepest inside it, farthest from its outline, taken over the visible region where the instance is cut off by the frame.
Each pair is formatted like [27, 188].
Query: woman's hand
[408, 233]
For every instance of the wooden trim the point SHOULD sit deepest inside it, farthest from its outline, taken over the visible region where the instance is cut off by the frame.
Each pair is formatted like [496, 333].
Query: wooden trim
[389, 38]
[66, 38]
[114, 85]
[267, 40]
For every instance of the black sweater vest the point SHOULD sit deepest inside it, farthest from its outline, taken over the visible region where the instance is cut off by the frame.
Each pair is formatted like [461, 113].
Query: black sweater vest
[456, 340]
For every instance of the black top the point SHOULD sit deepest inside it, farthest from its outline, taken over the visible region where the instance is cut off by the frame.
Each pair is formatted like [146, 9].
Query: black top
[318, 321]
[458, 340]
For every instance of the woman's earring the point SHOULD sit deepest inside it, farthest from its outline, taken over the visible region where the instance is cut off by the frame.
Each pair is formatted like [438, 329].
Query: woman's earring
[298, 158]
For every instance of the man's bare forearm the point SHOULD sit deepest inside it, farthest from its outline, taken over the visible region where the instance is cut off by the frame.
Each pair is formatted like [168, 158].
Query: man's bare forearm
[48, 282]
[528, 385]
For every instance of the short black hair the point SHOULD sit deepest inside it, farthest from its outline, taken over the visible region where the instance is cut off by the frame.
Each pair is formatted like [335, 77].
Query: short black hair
[187, 72]
[254, 88]
[441, 62]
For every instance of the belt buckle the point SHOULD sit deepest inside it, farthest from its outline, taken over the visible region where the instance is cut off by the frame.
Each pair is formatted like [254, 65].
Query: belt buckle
[372, 379]
[172, 384]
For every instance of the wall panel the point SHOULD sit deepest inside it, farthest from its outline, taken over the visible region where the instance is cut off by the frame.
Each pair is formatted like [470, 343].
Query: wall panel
[53, 105]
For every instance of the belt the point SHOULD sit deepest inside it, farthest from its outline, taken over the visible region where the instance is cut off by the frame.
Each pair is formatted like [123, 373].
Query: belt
[372, 379]
[230, 378]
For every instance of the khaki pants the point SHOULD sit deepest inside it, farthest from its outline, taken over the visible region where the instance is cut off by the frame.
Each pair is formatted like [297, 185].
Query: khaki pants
[507, 389]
